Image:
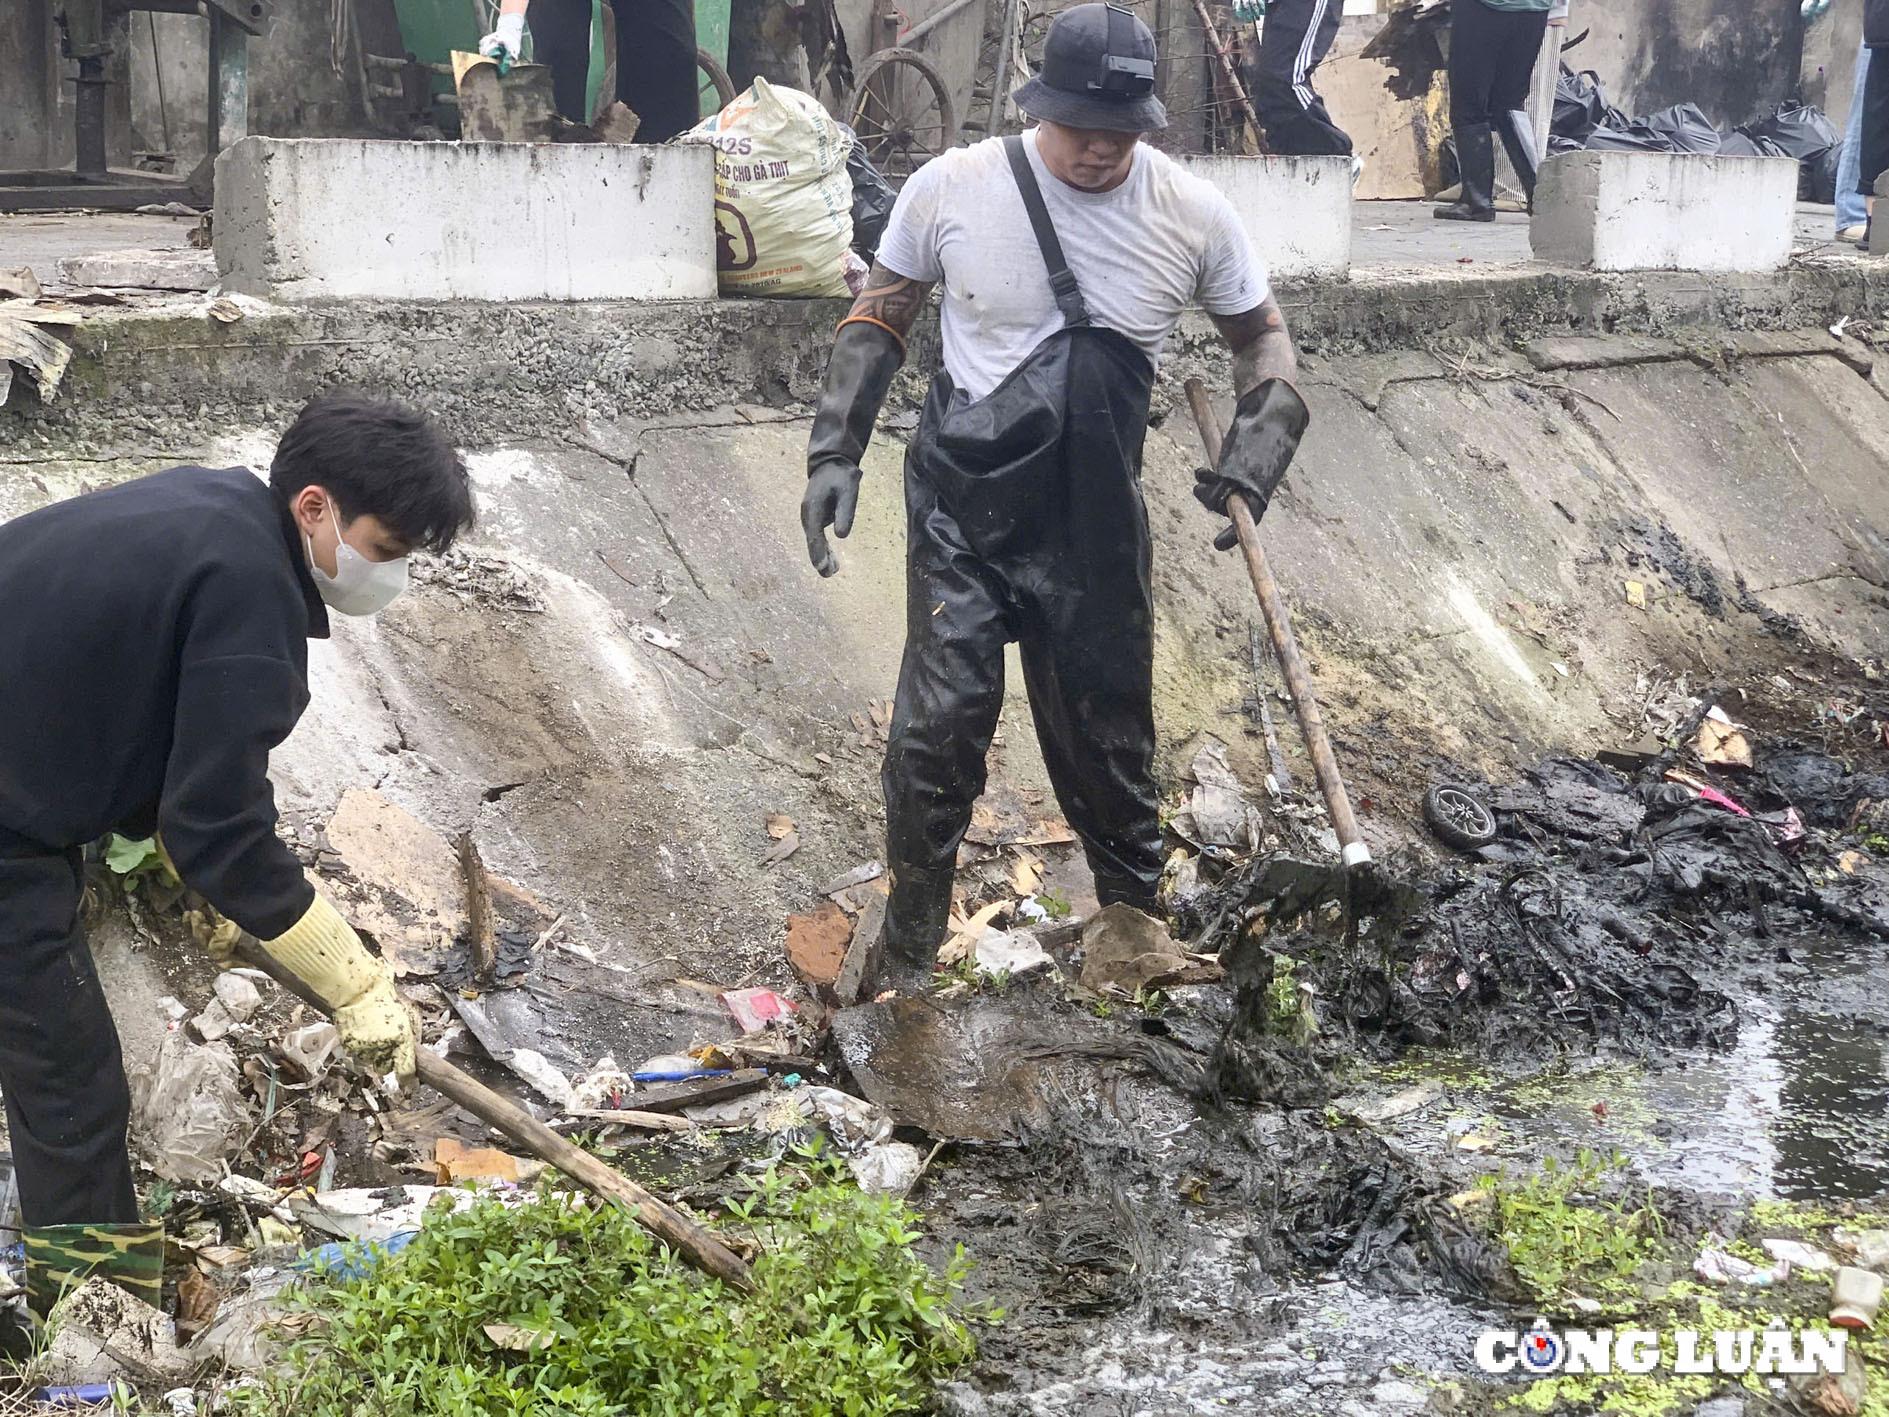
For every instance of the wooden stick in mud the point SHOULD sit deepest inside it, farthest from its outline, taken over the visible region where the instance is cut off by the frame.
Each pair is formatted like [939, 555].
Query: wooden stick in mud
[478, 912]
[1285, 644]
[665, 1222]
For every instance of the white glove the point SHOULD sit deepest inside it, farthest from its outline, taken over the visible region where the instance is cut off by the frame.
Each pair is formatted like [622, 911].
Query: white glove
[1813, 8]
[507, 42]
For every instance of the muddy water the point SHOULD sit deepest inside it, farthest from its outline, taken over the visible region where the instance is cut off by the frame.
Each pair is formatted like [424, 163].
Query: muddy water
[1797, 1109]
[1136, 1239]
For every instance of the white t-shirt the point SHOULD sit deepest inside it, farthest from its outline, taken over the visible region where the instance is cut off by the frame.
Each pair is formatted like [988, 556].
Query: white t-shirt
[1142, 253]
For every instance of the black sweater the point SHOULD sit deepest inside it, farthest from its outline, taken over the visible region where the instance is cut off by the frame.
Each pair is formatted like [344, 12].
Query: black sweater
[153, 650]
[1876, 24]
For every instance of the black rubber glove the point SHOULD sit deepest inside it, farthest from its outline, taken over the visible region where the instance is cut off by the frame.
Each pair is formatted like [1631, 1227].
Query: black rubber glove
[865, 357]
[1259, 447]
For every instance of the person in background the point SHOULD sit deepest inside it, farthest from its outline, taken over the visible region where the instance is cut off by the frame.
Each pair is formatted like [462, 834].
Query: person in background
[1852, 214]
[1297, 36]
[656, 73]
[1493, 48]
[1852, 217]
[1873, 144]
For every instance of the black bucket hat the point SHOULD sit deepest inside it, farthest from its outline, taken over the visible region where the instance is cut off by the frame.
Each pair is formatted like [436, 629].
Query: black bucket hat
[1098, 72]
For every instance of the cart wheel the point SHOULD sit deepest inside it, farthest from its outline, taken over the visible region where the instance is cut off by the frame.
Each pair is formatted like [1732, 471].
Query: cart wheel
[1458, 818]
[717, 89]
[902, 112]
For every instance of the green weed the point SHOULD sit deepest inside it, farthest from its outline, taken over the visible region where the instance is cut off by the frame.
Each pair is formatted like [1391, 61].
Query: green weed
[565, 1309]
[1567, 1239]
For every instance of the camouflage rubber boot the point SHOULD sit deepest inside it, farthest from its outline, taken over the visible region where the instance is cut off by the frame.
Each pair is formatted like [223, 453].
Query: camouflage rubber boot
[59, 1258]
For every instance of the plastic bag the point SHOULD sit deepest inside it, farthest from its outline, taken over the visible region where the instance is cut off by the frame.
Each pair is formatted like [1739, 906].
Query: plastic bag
[188, 1110]
[783, 200]
[1805, 133]
[1579, 105]
[1797, 129]
[873, 198]
[1683, 128]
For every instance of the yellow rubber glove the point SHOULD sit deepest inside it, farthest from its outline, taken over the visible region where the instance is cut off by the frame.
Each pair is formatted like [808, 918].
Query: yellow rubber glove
[217, 934]
[374, 1025]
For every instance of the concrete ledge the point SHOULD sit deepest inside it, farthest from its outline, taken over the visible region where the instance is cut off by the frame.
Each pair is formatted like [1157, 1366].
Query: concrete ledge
[186, 269]
[339, 218]
[1611, 211]
[1297, 210]
[607, 359]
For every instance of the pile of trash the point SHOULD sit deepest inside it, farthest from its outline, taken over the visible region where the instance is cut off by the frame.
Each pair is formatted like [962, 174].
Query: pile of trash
[272, 1160]
[1585, 120]
[1606, 899]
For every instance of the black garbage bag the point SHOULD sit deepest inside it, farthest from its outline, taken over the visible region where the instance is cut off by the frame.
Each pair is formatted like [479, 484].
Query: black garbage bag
[1686, 127]
[1579, 105]
[1683, 128]
[1737, 144]
[1801, 131]
[872, 199]
[1817, 181]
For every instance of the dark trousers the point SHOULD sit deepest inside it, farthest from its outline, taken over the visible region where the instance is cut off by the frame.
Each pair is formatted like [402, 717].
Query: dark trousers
[1875, 144]
[1492, 60]
[656, 73]
[60, 1066]
[1297, 36]
[1078, 602]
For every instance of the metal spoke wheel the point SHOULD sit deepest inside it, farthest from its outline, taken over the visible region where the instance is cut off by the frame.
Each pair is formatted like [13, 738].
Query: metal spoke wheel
[1458, 818]
[717, 89]
[902, 112]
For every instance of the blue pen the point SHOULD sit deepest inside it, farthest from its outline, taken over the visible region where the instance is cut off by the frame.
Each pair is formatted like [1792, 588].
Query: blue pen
[689, 1076]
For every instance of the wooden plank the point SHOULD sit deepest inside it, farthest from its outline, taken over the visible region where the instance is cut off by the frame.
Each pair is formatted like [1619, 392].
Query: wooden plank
[673, 1097]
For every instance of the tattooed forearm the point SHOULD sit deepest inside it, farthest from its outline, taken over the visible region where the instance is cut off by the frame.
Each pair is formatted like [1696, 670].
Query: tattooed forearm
[1261, 345]
[890, 299]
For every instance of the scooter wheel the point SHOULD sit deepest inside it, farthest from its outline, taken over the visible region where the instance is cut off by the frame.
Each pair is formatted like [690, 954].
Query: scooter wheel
[1458, 818]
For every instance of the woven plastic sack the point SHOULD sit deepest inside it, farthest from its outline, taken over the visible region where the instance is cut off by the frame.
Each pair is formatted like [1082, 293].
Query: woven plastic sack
[783, 198]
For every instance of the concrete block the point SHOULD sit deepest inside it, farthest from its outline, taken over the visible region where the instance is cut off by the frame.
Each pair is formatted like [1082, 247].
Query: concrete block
[1297, 210]
[338, 218]
[1610, 211]
[175, 269]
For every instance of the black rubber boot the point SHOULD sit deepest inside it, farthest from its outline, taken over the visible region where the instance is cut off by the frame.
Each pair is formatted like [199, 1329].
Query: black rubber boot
[916, 917]
[1143, 895]
[1475, 158]
[1518, 141]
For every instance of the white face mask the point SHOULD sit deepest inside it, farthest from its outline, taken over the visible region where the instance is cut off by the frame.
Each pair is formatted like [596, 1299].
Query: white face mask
[358, 586]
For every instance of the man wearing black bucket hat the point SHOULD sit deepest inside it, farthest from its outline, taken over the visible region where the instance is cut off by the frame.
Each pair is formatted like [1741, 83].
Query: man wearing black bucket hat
[1067, 257]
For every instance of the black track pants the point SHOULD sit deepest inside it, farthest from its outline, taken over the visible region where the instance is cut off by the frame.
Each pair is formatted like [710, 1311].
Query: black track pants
[1492, 61]
[60, 1066]
[1297, 37]
[656, 73]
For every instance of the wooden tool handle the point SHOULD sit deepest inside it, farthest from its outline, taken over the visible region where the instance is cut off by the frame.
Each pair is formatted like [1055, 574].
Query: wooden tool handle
[663, 1221]
[1272, 603]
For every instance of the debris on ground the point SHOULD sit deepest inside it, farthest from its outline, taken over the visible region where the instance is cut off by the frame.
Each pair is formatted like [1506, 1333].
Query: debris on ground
[100, 1333]
[755, 1009]
[188, 1109]
[35, 339]
[402, 882]
[1127, 951]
